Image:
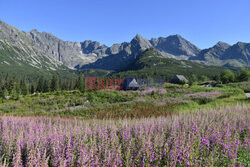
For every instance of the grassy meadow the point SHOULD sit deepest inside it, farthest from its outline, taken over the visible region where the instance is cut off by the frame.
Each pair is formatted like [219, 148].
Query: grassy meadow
[170, 126]
[105, 104]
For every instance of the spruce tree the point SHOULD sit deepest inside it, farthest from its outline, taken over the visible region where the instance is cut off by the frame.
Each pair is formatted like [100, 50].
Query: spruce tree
[6, 82]
[1, 92]
[17, 87]
[1, 88]
[40, 85]
[14, 95]
[80, 84]
[55, 83]
[46, 86]
[32, 88]
[71, 85]
[24, 87]
[1, 80]
[5, 93]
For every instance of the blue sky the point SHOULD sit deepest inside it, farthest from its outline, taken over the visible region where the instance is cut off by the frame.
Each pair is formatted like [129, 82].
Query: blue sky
[203, 22]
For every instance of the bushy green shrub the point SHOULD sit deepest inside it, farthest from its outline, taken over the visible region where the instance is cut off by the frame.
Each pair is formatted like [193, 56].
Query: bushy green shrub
[227, 76]
[172, 86]
[203, 100]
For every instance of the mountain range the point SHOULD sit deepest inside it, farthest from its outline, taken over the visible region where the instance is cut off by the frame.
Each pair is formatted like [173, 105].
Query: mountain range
[152, 63]
[42, 52]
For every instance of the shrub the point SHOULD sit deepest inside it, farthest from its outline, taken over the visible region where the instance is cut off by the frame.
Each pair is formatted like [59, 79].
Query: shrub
[244, 75]
[227, 76]
[204, 100]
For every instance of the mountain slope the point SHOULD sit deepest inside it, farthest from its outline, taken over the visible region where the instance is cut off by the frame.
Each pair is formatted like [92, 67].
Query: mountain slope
[46, 45]
[15, 61]
[42, 51]
[176, 46]
[222, 54]
[152, 63]
[123, 57]
[213, 55]
[214, 52]
[17, 56]
[239, 52]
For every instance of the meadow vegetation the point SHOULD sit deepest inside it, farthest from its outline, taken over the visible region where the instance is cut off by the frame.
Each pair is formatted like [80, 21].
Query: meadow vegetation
[176, 125]
[204, 138]
[103, 104]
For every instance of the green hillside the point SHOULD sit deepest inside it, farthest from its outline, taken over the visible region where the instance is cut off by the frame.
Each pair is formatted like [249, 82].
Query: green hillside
[152, 63]
[94, 72]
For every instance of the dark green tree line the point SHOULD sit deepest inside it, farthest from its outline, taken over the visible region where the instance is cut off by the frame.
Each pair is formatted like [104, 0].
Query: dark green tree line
[13, 87]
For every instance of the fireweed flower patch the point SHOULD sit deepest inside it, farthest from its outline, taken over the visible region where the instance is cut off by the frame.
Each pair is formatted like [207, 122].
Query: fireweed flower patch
[202, 94]
[150, 90]
[204, 138]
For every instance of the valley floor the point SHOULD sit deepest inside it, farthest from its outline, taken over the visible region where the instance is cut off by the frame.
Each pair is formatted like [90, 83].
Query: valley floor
[103, 104]
[171, 126]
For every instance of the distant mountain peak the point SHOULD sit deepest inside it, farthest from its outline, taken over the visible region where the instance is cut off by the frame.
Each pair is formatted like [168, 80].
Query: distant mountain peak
[1, 22]
[95, 44]
[177, 36]
[224, 54]
[138, 36]
[238, 51]
[140, 43]
[222, 44]
[241, 44]
[175, 45]
[139, 39]
[34, 31]
[41, 45]
[90, 46]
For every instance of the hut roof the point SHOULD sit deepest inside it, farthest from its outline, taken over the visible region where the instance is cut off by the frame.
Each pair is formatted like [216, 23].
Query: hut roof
[130, 83]
[181, 77]
[134, 84]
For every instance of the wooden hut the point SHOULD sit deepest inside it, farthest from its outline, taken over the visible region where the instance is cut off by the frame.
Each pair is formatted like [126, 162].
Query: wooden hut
[130, 84]
[178, 79]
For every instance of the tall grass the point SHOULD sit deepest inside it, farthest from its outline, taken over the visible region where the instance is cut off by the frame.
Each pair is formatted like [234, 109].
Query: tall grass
[205, 138]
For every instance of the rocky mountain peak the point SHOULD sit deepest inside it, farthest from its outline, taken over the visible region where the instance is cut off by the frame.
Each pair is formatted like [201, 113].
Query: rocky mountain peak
[177, 40]
[1, 22]
[34, 31]
[213, 53]
[7, 31]
[223, 45]
[239, 50]
[38, 46]
[90, 45]
[175, 45]
[138, 37]
[240, 44]
[177, 36]
[138, 42]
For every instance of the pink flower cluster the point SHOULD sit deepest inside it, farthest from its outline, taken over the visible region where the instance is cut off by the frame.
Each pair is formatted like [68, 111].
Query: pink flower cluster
[202, 94]
[205, 138]
[150, 90]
